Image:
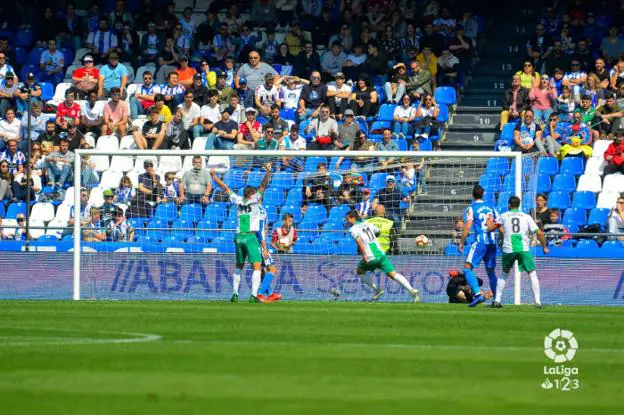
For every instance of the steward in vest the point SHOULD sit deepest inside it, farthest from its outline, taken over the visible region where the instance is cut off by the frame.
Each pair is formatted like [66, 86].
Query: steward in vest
[387, 238]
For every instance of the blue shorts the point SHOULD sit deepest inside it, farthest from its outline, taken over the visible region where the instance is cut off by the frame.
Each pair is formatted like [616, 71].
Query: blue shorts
[482, 252]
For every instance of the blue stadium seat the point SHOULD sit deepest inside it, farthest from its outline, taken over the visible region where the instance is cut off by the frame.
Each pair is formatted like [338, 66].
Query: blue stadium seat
[282, 180]
[574, 218]
[255, 178]
[337, 213]
[274, 197]
[293, 210]
[15, 209]
[288, 114]
[294, 197]
[543, 183]
[573, 165]
[381, 93]
[271, 214]
[498, 165]
[334, 225]
[192, 212]
[224, 244]
[559, 200]
[547, 165]
[216, 211]
[599, 216]
[20, 55]
[528, 167]
[310, 228]
[34, 56]
[29, 68]
[47, 91]
[2, 210]
[386, 112]
[528, 202]
[183, 229]
[345, 165]
[584, 200]
[564, 183]
[363, 125]
[24, 38]
[587, 244]
[402, 144]
[445, 95]
[425, 145]
[316, 213]
[491, 183]
[68, 54]
[312, 163]
[330, 238]
[613, 245]
[235, 179]
[376, 130]
[378, 181]
[507, 134]
[509, 184]
[157, 230]
[347, 246]
[502, 205]
[166, 211]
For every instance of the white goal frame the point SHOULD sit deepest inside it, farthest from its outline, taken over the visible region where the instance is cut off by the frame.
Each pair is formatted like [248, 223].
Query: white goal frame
[516, 156]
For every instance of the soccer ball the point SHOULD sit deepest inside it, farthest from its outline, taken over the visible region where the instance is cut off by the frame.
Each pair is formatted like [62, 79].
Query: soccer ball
[422, 241]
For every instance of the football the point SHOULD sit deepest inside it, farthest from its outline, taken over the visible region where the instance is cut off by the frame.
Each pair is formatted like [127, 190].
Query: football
[422, 241]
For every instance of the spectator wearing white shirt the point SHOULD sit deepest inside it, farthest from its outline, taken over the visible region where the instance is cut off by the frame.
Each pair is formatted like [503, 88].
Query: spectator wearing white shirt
[92, 114]
[9, 128]
[5, 68]
[37, 126]
[293, 141]
[266, 95]
[143, 99]
[191, 115]
[210, 114]
[332, 60]
[444, 24]
[403, 117]
[102, 42]
[616, 75]
[289, 93]
[338, 93]
[325, 130]
[52, 62]
[575, 79]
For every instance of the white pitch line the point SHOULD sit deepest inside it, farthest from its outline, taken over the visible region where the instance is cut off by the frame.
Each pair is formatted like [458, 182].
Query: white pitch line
[70, 341]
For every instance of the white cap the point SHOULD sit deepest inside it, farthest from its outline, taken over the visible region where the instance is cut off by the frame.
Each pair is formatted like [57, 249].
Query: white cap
[250, 109]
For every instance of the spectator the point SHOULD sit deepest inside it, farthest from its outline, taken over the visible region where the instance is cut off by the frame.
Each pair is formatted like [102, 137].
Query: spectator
[283, 56]
[143, 99]
[222, 43]
[29, 84]
[291, 92]
[87, 166]
[86, 78]
[354, 61]
[267, 95]
[344, 38]
[112, 75]
[271, 50]
[59, 165]
[5, 68]
[167, 59]
[52, 63]
[528, 75]
[9, 128]
[293, 141]
[108, 209]
[614, 156]
[376, 60]
[347, 131]
[396, 87]
[515, 102]
[176, 136]
[458, 230]
[119, 17]
[224, 132]
[238, 111]
[6, 179]
[325, 130]
[72, 136]
[610, 115]
[347, 192]
[391, 197]
[171, 191]
[200, 92]
[280, 126]
[48, 138]
[191, 113]
[403, 117]
[119, 230]
[365, 206]
[552, 136]
[268, 140]
[543, 97]
[295, 40]
[332, 60]
[427, 59]
[68, 111]
[427, 124]
[527, 133]
[129, 49]
[593, 91]
[361, 143]
[152, 134]
[189, 27]
[616, 220]
[185, 72]
[541, 213]
[263, 12]
[16, 158]
[8, 92]
[387, 144]
[414, 176]
[284, 238]
[115, 115]
[448, 69]
[37, 126]
[538, 47]
[555, 232]
[588, 115]
[125, 192]
[102, 42]
[173, 91]
[461, 47]
[308, 60]
[364, 98]
[565, 104]
[93, 231]
[575, 79]
[583, 55]
[338, 96]
[390, 44]
[151, 44]
[316, 188]
[208, 77]
[616, 75]
[164, 113]
[83, 214]
[612, 46]
[313, 96]
[149, 192]
[557, 59]
[419, 82]
[576, 138]
[602, 73]
[432, 40]
[196, 185]
[255, 71]
[209, 114]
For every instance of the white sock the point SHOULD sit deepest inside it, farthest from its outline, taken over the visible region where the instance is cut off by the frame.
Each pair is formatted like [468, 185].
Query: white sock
[368, 280]
[236, 277]
[536, 287]
[255, 282]
[500, 287]
[403, 281]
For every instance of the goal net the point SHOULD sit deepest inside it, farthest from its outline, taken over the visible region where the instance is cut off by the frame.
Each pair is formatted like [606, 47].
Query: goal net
[156, 228]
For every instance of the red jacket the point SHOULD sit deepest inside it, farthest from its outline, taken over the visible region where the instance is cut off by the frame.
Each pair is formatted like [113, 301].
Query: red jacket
[617, 151]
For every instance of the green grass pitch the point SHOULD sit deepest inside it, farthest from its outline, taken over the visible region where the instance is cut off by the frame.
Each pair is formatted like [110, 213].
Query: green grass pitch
[301, 358]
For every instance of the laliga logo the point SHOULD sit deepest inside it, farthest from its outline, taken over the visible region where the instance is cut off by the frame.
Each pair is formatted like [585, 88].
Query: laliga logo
[560, 345]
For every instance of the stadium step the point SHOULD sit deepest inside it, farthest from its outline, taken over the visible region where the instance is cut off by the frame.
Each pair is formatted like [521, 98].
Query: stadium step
[489, 83]
[476, 137]
[475, 119]
[476, 109]
[492, 101]
[440, 207]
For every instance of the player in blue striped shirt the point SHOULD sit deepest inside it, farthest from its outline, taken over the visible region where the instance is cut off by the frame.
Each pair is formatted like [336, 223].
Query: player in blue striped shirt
[268, 263]
[484, 247]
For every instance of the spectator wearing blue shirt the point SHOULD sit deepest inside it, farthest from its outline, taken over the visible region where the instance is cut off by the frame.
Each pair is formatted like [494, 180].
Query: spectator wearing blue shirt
[37, 126]
[52, 62]
[112, 75]
[551, 137]
[5, 68]
[21, 100]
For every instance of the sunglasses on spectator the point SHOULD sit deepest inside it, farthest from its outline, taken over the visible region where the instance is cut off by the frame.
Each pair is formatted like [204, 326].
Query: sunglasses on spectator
[254, 57]
[315, 78]
[147, 78]
[270, 131]
[575, 64]
[21, 219]
[527, 65]
[108, 197]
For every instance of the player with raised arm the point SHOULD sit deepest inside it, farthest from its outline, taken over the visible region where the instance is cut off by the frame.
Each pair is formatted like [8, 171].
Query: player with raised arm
[268, 263]
[248, 212]
[373, 257]
[483, 248]
[517, 228]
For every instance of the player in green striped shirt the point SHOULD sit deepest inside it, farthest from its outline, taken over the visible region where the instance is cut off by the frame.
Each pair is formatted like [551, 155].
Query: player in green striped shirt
[249, 215]
[517, 229]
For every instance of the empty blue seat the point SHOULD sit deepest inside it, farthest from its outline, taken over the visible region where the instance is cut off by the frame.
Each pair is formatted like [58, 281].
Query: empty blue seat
[21, 54]
[386, 112]
[329, 238]
[157, 230]
[255, 178]
[316, 213]
[502, 205]
[402, 144]
[235, 179]
[224, 244]
[445, 95]
[208, 229]
[380, 92]
[68, 54]
[528, 202]
[192, 212]
[491, 183]
[294, 197]
[599, 216]
[587, 244]
[34, 56]
[613, 245]
[274, 197]
[271, 213]
[573, 165]
[24, 38]
[498, 166]
[509, 184]
[345, 165]
[288, 114]
[347, 246]
[548, 165]
[217, 211]
[338, 213]
[183, 229]
[378, 181]
[507, 133]
[559, 200]
[282, 180]
[47, 91]
[543, 183]
[574, 218]
[528, 168]
[564, 182]
[311, 163]
[15, 209]
[584, 200]
[166, 211]
[293, 210]
[335, 226]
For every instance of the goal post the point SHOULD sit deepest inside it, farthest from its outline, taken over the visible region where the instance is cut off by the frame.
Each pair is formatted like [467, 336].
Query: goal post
[452, 174]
